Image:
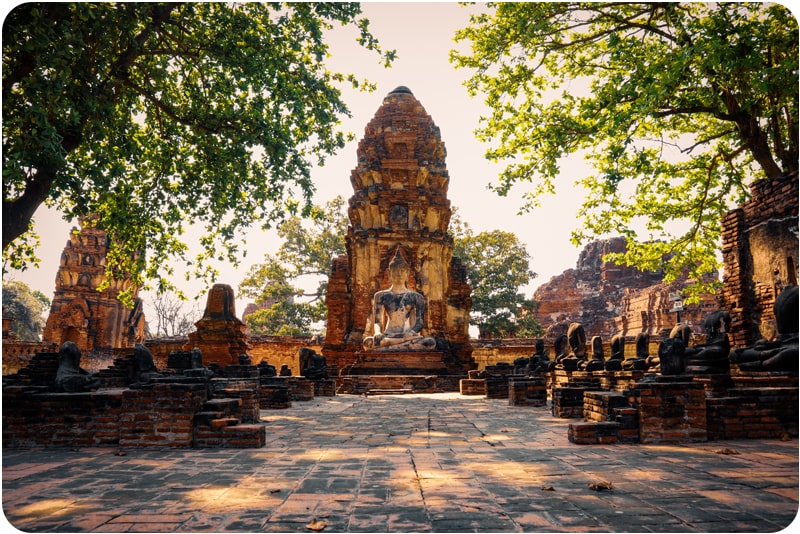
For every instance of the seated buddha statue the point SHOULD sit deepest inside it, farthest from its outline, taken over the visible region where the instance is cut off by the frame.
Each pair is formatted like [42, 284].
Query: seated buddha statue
[398, 314]
[780, 354]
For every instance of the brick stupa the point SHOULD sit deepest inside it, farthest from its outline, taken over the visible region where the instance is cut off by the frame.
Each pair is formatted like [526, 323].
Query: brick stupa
[219, 334]
[400, 205]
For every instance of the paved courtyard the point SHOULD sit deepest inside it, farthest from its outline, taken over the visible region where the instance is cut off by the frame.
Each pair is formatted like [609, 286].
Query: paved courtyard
[413, 463]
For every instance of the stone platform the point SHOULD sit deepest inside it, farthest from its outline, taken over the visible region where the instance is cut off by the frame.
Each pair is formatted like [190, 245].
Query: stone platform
[397, 372]
[396, 384]
[398, 363]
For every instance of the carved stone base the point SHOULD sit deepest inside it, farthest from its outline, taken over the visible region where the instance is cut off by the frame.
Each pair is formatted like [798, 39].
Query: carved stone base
[395, 384]
[399, 363]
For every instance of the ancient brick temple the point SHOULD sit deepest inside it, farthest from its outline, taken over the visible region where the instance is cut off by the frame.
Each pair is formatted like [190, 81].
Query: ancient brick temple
[399, 205]
[94, 320]
[759, 254]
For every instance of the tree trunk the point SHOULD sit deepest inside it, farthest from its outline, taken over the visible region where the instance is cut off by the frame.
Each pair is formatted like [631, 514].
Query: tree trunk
[17, 213]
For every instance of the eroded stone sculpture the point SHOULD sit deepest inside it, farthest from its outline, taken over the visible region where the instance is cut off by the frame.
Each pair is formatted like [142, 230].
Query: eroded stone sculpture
[540, 360]
[398, 314]
[614, 362]
[312, 365]
[597, 360]
[70, 378]
[639, 363]
[782, 353]
[266, 369]
[145, 369]
[198, 370]
[671, 358]
[712, 356]
[576, 339]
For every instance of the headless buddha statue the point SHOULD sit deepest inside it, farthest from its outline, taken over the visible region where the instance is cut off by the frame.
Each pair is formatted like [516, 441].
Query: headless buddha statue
[398, 314]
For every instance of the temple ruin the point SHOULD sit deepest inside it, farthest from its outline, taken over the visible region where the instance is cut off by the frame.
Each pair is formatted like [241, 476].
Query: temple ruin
[610, 299]
[398, 322]
[399, 208]
[759, 253]
[219, 334]
[96, 321]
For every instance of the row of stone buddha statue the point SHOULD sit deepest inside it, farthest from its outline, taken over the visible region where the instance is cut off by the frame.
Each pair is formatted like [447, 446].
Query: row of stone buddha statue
[676, 352]
[72, 378]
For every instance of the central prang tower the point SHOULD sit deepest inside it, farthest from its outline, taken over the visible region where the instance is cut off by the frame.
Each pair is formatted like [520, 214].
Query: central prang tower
[399, 205]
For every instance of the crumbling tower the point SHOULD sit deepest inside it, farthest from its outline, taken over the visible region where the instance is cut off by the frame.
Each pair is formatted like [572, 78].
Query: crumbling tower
[399, 204]
[96, 321]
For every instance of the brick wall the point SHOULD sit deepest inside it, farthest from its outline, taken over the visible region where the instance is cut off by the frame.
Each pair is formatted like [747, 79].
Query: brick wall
[670, 411]
[760, 255]
[178, 412]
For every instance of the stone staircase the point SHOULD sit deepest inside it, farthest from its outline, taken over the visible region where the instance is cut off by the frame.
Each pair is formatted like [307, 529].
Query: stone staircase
[219, 425]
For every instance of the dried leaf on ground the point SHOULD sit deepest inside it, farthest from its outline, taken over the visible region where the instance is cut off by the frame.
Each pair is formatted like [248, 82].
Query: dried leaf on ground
[725, 451]
[600, 486]
[548, 488]
[317, 525]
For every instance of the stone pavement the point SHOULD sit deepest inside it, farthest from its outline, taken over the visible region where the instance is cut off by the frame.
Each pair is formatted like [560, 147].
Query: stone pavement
[413, 463]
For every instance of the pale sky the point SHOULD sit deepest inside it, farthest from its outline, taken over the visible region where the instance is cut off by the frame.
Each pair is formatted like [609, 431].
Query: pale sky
[422, 34]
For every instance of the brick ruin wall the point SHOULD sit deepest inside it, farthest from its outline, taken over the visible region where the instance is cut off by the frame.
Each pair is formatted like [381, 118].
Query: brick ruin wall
[759, 253]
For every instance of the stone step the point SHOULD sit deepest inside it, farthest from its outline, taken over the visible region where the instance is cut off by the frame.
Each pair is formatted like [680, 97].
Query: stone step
[212, 418]
[226, 406]
[402, 391]
[231, 436]
[591, 432]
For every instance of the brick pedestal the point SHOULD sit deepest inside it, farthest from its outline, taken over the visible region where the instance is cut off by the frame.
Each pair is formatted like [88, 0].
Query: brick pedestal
[568, 401]
[754, 413]
[600, 405]
[527, 392]
[589, 433]
[325, 387]
[472, 386]
[671, 410]
[496, 388]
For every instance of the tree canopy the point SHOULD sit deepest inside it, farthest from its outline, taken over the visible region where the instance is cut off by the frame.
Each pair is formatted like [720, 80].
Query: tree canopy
[304, 256]
[26, 308]
[153, 116]
[678, 106]
[497, 265]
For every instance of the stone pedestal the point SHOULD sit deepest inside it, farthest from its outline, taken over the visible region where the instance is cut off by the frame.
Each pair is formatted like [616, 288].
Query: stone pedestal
[527, 391]
[399, 363]
[671, 410]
